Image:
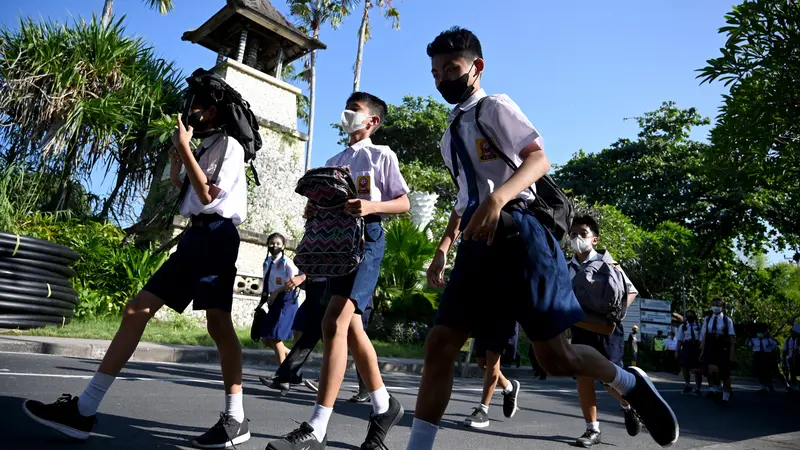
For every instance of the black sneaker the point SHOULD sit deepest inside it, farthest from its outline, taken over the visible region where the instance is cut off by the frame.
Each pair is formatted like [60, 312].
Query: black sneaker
[478, 419]
[359, 397]
[227, 432]
[687, 389]
[300, 439]
[296, 380]
[632, 422]
[276, 383]
[510, 400]
[380, 424]
[62, 416]
[588, 439]
[312, 385]
[653, 411]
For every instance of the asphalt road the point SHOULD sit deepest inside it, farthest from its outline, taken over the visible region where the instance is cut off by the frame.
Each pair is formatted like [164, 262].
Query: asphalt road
[156, 405]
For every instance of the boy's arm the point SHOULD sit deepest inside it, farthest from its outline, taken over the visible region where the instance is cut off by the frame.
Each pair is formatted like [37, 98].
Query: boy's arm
[181, 138]
[436, 269]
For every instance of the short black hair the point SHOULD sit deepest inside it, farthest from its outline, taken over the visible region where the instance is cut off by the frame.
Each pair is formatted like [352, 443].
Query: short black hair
[276, 235]
[589, 222]
[456, 40]
[375, 105]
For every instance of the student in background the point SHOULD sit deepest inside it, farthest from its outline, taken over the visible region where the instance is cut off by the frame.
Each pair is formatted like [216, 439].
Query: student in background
[633, 344]
[791, 357]
[763, 348]
[688, 352]
[718, 350]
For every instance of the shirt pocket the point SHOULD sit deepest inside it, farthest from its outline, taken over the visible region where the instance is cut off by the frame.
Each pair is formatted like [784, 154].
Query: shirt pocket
[365, 184]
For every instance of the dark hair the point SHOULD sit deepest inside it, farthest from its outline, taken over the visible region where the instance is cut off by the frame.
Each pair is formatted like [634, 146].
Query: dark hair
[456, 40]
[589, 222]
[276, 235]
[375, 105]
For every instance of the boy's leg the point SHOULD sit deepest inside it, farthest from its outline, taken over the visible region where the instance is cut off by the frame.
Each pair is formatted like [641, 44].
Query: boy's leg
[75, 416]
[221, 329]
[442, 347]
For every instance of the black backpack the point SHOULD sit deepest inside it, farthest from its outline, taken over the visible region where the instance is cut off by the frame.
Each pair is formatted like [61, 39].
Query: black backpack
[240, 122]
[551, 206]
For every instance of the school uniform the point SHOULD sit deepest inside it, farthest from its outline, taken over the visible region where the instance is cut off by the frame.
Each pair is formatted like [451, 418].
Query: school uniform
[611, 346]
[716, 332]
[203, 268]
[526, 275]
[689, 345]
[763, 359]
[281, 313]
[377, 176]
[791, 354]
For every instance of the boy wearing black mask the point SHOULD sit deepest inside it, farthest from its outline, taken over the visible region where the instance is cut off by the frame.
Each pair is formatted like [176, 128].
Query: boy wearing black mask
[521, 269]
[202, 270]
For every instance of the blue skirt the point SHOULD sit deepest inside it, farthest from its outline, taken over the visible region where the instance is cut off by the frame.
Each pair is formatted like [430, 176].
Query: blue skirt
[280, 317]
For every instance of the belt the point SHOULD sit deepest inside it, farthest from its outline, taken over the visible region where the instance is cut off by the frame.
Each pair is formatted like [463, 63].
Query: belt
[201, 220]
[372, 218]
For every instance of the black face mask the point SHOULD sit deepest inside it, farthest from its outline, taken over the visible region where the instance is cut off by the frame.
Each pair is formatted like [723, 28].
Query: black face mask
[193, 120]
[691, 319]
[456, 91]
[275, 251]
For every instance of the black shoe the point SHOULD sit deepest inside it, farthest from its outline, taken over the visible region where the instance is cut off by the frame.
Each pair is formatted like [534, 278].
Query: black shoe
[62, 416]
[588, 439]
[359, 397]
[276, 383]
[313, 385]
[227, 432]
[653, 411]
[543, 376]
[478, 419]
[510, 400]
[300, 439]
[632, 423]
[296, 380]
[380, 424]
[687, 389]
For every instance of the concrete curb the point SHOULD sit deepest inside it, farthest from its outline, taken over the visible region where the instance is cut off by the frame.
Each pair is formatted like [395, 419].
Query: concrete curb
[786, 441]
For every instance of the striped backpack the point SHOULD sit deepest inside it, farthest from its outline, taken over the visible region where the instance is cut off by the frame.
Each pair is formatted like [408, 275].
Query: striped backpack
[333, 242]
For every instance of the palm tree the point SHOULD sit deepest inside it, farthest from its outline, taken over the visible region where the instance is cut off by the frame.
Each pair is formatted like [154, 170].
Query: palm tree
[163, 7]
[364, 32]
[311, 15]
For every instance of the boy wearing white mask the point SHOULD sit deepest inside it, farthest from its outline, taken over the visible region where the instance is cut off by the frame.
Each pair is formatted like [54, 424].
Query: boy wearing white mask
[584, 236]
[381, 191]
[718, 349]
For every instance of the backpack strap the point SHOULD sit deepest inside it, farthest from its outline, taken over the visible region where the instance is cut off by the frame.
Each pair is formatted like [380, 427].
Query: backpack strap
[491, 143]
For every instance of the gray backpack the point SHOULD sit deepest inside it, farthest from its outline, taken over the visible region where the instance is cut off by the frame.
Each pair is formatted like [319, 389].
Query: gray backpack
[601, 290]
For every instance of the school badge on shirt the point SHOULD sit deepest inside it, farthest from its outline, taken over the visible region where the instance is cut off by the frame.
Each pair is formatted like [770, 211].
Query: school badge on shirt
[363, 184]
[485, 151]
[278, 280]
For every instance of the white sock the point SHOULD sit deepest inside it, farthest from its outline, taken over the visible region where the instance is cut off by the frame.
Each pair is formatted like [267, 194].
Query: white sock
[625, 407]
[92, 396]
[624, 381]
[234, 407]
[594, 426]
[422, 435]
[508, 389]
[319, 421]
[484, 408]
[726, 396]
[380, 400]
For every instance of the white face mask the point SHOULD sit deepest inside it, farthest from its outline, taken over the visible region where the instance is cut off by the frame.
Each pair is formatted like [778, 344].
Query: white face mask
[716, 309]
[581, 245]
[353, 121]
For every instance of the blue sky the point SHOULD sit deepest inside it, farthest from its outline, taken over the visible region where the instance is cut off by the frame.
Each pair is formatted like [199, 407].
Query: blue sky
[577, 69]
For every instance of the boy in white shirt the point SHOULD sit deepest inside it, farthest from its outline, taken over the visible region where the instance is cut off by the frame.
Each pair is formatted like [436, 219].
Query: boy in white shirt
[202, 270]
[516, 262]
[718, 349]
[382, 191]
[689, 352]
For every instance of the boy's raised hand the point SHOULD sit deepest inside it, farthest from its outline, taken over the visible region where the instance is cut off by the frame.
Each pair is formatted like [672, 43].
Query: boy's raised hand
[359, 208]
[182, 135]
[483, 223]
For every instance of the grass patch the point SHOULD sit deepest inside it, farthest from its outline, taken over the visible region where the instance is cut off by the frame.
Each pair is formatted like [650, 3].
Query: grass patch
[188, 332]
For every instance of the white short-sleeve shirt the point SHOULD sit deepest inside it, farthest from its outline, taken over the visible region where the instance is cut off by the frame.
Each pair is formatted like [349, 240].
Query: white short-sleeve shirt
[511, 131]
[231, 202]
[282, 270]
[708, 324]
[375, 170]
[766, 345]
[687, 335]
[791, 346]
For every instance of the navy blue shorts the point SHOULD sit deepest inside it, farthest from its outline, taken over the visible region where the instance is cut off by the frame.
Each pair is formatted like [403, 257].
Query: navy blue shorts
[611, 346]
[527, 279]
[280, 317]
[360, 284]
[203, 268]
[309, 316]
